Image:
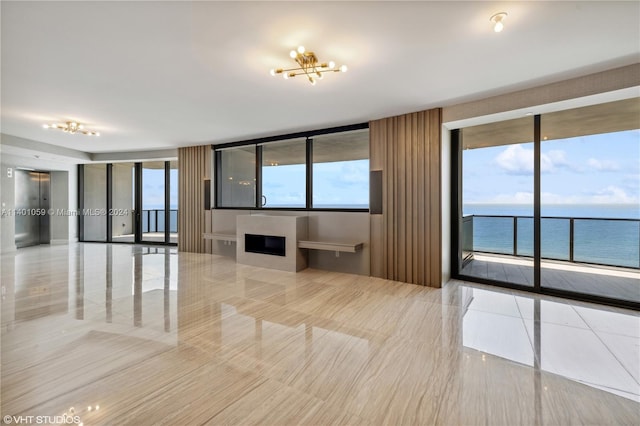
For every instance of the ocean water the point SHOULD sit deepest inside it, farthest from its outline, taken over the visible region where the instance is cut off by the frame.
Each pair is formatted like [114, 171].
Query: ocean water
[599, 234]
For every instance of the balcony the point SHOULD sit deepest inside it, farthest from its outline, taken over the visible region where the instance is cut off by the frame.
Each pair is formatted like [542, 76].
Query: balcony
[597, 256]
[153, 227]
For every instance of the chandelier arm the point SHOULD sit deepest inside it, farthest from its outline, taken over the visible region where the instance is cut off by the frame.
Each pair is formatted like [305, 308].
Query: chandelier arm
[291, 69]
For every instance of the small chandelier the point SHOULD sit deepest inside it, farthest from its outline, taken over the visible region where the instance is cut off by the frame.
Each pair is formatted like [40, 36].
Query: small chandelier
[497, 20]
[72, 127]
[309, 66]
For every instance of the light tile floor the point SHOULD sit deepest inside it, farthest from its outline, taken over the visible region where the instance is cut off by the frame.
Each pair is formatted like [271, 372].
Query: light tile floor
[153, 336]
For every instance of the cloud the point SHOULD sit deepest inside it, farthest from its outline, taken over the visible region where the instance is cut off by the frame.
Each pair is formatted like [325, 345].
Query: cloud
[517, 198]
[609, 195]
[603, 165]
[613, 195]
[516, 160]
[519, 161]
[632, 181]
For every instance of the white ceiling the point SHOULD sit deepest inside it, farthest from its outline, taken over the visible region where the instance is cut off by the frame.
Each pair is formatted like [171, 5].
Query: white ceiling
[157, 75]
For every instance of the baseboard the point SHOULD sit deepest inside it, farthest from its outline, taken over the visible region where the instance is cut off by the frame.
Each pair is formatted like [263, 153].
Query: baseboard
[58, 242]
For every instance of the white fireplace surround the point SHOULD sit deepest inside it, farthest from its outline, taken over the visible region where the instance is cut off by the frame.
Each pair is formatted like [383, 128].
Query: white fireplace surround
[293, 228]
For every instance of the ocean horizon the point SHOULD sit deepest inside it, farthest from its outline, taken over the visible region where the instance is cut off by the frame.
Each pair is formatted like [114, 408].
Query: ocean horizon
[612, 211]
[600, 241]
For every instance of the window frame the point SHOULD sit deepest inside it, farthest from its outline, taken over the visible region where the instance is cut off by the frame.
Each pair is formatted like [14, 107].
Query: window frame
[259, 143]
[455, 231]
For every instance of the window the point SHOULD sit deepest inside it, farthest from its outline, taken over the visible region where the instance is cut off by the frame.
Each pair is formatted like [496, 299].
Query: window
[590, 199]
[153, 201]
[341, 170]
[497, 201]
[325, 169]
[237, 177]
[552, 202]
[284, 172]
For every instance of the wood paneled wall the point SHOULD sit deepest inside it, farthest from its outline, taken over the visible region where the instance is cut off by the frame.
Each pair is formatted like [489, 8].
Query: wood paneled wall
[194, 167]
[406, 239]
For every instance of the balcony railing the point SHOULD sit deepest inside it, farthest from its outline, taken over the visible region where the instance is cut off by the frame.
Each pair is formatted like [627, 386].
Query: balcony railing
[599, 241]
[154, 220]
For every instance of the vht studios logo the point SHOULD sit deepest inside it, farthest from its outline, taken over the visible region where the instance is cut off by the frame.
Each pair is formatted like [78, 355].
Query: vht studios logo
[64, 419]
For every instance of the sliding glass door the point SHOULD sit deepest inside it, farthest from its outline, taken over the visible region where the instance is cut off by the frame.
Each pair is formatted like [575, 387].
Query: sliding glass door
[590, 204]
[153, 201]
[129, 202]
[497, 201]
[551, 203]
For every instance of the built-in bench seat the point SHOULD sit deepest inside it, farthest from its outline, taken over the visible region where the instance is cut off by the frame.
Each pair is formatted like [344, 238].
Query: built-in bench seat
[220, 236]
[337, 247]
[350, 247]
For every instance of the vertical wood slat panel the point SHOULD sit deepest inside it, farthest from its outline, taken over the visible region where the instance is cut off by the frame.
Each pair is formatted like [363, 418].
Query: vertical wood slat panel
[436, 196]
[407, 148]
[421, 229]
[401, 182]
[194, 167]
[427, 210]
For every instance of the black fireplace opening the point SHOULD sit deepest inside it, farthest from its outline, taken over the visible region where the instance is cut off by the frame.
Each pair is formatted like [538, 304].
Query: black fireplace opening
[264, 244]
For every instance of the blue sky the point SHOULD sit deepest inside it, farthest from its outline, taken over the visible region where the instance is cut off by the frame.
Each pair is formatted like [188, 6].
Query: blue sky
[336, 183]
[153, 188]
[595, 169]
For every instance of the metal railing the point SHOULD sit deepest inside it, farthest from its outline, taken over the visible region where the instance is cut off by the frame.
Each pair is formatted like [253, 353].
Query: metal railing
[600, 241]
[153, 220]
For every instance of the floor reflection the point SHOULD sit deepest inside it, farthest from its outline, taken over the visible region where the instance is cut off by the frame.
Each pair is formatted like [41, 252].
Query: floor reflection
[149, 332]
[576, 342]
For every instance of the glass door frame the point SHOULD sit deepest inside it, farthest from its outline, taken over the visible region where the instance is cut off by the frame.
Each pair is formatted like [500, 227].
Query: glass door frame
[137, 231]
[456, 229]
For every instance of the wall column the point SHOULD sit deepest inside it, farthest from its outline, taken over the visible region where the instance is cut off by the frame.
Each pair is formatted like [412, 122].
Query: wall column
[406, 239]
[194, 167]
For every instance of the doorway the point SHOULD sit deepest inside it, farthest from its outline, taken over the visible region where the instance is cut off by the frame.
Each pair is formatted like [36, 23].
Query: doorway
[32, 202]
[132, 202]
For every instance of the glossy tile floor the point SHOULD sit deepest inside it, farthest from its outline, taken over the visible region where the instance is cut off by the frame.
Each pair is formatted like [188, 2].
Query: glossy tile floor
[616, 283]
[136, 335]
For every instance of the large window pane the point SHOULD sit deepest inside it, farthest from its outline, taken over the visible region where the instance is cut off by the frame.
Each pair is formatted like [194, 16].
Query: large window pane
[123, 202]
[284, 174]
[95, 202]
[590, 190]
[153, 201]
[237, 177]
[497, 201]
[341, 170]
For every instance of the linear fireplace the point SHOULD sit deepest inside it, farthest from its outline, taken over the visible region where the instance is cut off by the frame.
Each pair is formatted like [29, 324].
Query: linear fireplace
[265, 244]
[271, 242]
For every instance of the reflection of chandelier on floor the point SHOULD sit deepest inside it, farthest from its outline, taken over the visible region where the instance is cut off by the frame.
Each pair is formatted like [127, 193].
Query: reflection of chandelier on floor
[72, 127]
[309, 66]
